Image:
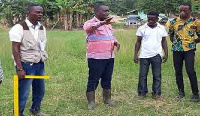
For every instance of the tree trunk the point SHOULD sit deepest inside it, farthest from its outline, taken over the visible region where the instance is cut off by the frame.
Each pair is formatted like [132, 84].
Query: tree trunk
[69, 20]
[58, 20]
[81, 19]
[65, 22]
[47, 22]
[78, 19]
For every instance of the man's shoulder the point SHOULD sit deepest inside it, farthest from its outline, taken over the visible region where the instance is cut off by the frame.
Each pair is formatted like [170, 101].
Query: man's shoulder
[17, 27]
[142, 27]
[161, 26]
[91, 20]
[172, 21]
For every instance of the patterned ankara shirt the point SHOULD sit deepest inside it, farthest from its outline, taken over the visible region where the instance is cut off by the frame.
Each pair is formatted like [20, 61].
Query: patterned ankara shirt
[184, 33]
[100, 42]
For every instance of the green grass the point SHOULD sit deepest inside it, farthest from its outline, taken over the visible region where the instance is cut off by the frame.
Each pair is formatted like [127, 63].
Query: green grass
[67, 66]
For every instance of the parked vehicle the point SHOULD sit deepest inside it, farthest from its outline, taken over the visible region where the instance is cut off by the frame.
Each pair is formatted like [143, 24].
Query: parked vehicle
[133, 20]
[163, 20]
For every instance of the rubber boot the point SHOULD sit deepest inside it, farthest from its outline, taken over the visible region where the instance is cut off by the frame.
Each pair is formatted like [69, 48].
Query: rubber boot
[107, 97]
[91, 100]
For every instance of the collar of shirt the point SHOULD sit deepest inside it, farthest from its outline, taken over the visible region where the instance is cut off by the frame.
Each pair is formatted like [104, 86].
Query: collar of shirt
[180, 20]
[146, 26]
[33, 30]
[29, 24]
[96, 19]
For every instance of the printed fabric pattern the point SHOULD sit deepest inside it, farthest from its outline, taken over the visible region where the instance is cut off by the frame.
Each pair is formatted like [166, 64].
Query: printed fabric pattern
[184, 33]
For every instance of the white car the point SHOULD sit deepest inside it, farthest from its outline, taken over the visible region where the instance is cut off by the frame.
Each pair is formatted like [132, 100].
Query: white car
[133, 20]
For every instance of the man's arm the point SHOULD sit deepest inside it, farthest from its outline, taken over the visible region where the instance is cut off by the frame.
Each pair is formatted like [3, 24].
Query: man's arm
[89, 27]
[197, 40]
[117, 44]
[170, 30]
[171, 37]
[137, 48]
[16, 54]
[165, 48]
[197, 31]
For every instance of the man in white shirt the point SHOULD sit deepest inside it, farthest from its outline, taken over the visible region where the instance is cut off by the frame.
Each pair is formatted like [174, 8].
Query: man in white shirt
[28, 42]
[151, 37]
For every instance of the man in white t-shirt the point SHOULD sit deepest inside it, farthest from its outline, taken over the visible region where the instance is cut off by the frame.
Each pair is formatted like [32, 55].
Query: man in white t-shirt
[151, 37]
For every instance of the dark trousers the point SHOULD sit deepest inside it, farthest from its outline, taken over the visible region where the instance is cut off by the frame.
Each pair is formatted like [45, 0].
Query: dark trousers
[188, 57]
[155, 63]
[100, 68]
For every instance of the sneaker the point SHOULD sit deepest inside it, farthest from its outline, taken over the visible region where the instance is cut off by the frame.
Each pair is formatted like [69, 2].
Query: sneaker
[194, 98]
[180, 95]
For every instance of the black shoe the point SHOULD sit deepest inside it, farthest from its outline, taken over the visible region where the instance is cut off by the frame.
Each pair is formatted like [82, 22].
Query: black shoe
[194, 98]
[180, 95]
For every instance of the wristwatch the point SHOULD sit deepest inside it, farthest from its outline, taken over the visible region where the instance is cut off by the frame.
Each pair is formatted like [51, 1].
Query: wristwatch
[20, 69]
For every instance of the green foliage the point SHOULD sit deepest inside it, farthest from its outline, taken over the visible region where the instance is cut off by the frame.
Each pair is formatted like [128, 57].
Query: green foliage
[13, 11]
[196, 7]
[119, 7]
[162, 6]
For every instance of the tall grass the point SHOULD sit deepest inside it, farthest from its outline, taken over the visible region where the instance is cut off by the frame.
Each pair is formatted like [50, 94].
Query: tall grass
[67, 66]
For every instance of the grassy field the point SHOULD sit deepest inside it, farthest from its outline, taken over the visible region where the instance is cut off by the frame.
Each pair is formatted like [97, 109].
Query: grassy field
[67, 66]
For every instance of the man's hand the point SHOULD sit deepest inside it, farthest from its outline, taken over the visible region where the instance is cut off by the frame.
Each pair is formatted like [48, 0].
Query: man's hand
[117, 44]
[107, 21]
[197, 40]
[136, 59]
[165, 57]
[21, 74]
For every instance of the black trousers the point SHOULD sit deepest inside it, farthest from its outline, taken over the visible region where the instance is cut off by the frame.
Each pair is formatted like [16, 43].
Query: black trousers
[188, 57]
[100, 68]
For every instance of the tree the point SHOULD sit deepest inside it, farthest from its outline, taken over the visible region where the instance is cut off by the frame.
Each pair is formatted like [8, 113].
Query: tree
[163, 6]
[50, 9]
[196, 7]
[13, 11]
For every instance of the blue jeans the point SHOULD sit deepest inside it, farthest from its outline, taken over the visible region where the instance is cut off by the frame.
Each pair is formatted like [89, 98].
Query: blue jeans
[100, 68]
[38, 86]
[155, 63]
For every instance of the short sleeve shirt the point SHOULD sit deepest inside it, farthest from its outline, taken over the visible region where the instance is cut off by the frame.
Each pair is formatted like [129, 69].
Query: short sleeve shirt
[151, 40]
[184, 33]
[16, 32]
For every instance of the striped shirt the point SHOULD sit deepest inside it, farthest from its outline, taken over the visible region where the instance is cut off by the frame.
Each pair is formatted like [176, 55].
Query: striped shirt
[100, 42]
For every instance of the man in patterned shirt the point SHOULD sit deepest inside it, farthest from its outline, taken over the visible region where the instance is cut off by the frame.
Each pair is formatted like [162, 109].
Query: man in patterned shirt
[184, 32]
